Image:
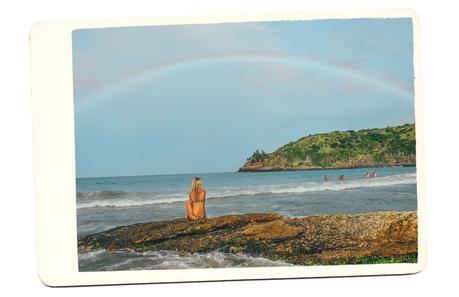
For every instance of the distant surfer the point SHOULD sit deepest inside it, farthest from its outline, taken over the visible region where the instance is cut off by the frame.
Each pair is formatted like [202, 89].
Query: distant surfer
[325, 178]
[340, 178]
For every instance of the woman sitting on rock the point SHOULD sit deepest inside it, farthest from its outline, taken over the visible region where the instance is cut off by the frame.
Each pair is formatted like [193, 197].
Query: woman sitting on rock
[195, 205]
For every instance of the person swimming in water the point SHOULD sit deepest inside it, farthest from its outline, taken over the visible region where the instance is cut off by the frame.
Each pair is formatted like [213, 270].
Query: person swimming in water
[195, 205]
[371, 175]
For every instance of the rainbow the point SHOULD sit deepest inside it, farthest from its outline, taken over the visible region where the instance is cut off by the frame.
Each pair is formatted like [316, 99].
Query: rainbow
[332, 67]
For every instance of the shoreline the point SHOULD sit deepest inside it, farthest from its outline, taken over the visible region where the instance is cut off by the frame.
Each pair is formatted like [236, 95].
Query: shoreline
[276, 169]
[375, 237]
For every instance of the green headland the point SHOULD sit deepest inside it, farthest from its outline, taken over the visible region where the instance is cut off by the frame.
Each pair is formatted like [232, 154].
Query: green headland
[380, 147]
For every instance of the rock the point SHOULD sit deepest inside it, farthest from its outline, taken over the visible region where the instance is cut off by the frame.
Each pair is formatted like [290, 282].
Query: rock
[308, 240]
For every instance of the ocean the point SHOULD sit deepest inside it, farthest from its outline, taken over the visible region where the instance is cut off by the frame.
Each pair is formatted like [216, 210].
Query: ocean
[106, 202]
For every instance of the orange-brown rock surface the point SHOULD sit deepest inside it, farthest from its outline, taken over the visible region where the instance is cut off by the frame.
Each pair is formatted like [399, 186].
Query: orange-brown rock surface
[308, 240]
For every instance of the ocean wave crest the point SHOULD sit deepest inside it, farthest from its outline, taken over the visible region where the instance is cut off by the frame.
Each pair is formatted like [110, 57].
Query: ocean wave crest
[138, 199]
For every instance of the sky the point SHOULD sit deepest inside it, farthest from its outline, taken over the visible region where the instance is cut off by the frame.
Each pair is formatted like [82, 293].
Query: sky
[202, 98]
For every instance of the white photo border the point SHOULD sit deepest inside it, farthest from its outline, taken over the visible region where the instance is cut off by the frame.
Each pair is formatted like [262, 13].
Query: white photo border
[54, 158]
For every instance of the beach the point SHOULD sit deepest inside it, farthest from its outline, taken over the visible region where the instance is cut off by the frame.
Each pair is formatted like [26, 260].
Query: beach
[106, 203]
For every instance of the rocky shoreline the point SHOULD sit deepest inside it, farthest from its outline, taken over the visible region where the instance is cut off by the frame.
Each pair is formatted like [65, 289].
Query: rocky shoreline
[311, 240]
[261, 168]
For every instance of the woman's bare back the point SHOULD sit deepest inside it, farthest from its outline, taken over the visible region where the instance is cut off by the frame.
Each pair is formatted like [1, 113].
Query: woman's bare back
[198, 200]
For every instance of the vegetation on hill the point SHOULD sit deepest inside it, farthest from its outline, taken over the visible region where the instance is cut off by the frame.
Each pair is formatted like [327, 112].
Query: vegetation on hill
[341, 149]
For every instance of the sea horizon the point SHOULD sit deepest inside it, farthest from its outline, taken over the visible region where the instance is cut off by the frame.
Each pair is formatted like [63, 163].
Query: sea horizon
[243, 172]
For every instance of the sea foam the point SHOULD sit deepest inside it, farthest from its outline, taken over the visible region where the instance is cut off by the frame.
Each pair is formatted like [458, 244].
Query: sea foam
[137, 199]
[102, 260]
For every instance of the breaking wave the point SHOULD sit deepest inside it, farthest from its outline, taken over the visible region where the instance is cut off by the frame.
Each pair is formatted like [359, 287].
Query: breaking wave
[137, 199]
[102, 260]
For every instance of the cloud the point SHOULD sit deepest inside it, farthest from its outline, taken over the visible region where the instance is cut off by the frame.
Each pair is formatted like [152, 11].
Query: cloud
[87, 83]
[114, 54]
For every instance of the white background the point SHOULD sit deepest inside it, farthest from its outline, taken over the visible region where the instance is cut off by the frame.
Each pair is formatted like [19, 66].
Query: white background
[439, 45]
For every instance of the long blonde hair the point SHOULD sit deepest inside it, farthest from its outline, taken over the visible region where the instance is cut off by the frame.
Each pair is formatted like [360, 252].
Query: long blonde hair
[197, 186]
